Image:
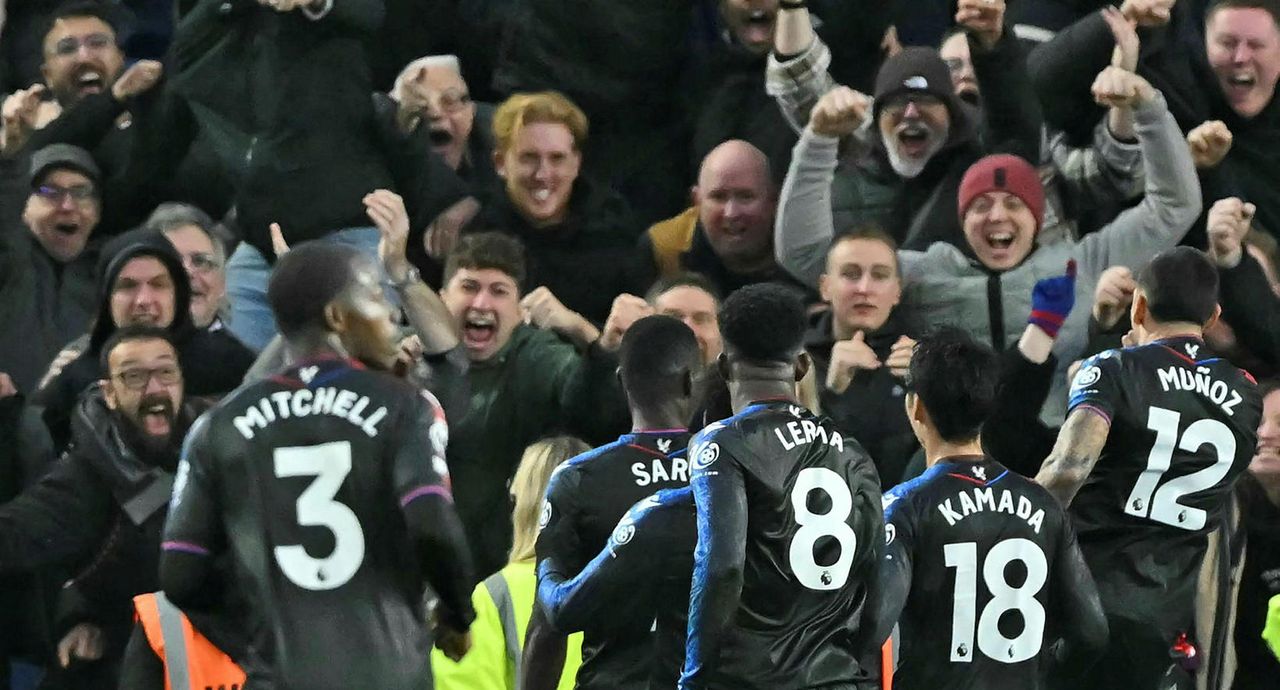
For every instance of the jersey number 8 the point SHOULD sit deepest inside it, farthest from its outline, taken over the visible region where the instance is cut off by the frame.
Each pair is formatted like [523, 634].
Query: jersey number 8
[813, 527]
[1004, 598]
[329, 463]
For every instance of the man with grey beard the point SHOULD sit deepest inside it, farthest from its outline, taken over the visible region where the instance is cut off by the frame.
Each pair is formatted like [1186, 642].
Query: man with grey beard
[903, 165]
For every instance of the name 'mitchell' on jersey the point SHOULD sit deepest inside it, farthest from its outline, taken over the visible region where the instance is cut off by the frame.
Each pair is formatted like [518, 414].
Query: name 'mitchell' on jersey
[811, 527]
[983, 573]
[1183, 428]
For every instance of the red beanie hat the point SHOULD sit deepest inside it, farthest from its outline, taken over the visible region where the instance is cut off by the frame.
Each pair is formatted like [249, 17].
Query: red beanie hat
[1003, 173]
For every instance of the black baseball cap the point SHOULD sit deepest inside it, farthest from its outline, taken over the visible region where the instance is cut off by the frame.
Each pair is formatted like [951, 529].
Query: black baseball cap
[63, 157]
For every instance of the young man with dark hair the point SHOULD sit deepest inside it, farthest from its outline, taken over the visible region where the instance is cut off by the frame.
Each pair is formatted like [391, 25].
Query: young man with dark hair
[1155, 438]
[327, 486]
[658, 360]
[969, 513]
[789, 523]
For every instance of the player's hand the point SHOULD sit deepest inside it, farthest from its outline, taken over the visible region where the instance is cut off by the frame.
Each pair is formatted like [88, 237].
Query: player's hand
[983, 19]
[139, 78]
[278, 245]
[455, 645]
[19, 115]
[1229, 221]
[1113, 295]
[840, 112]
[386, 210]
[627, 309]
[1125, 55]
[899, 359]
[1147, 13]
[1210, 142]
[1118, 88]
[848, 357]
[82, 642]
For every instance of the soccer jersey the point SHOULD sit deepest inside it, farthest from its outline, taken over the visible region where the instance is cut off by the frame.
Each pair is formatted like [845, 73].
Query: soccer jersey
[983, 573]
[309, 478]
[586, 498]
[789, 534]
[1183, 428]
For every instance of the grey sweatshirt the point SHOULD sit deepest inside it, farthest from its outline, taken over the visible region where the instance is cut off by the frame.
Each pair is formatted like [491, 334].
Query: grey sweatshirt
[944, 285]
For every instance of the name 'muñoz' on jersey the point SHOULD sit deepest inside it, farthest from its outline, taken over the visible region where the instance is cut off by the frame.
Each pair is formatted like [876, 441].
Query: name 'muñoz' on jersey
[304, 478]
[983, 574]
[1183, 428]
[586, 498]
[789, 511]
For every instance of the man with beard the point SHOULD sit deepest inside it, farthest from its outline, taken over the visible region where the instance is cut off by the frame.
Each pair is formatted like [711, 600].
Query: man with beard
[99, 511]
[327, 488]
[914, 141]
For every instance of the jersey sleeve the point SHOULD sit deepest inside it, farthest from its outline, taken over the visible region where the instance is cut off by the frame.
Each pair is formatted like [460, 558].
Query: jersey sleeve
[719, 489]
[193, 532]
[893, 579]
[1097, 386]
[628, 563]
[1082, 622]
[559, 547]
[420, 469]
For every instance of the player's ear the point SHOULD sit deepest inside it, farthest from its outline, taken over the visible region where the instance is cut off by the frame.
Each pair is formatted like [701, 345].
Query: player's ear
[1217, 314]
[687, 383]
[1138, 310]
[722, 366]
[335, 317]
[803, 364]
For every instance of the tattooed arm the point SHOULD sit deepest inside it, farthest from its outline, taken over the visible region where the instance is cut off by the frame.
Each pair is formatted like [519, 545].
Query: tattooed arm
[1078, 447]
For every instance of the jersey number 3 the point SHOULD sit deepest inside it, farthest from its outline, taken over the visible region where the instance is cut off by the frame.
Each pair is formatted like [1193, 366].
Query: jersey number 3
[1004, 598]
[814, 526]
[329, 463]
[1161, 504]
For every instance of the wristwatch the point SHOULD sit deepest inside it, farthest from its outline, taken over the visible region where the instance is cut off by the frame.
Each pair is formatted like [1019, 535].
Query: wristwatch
[411, 277]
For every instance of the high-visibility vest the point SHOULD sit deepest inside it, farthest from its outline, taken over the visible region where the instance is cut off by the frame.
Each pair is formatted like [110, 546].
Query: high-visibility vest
[191, 662]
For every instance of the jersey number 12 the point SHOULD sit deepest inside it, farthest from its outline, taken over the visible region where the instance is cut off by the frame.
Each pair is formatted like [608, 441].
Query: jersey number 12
[329, 463]
[814, 526]
[1161, 504]
[1004, 598]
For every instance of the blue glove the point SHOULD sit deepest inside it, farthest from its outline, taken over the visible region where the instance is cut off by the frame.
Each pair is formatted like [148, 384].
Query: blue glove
[1052, 299]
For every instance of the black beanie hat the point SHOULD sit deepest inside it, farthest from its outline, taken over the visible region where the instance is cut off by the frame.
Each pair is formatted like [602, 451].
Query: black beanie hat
[915, 70]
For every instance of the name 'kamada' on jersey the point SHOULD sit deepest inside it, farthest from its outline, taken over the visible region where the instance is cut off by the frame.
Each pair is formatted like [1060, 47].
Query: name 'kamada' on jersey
[984, 499]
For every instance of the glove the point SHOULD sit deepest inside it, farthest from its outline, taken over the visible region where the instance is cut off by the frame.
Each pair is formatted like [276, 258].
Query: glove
[1052, 299]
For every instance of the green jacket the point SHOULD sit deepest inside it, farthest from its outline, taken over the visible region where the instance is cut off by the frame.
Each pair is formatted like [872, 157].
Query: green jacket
[503, 603]
[536, 385]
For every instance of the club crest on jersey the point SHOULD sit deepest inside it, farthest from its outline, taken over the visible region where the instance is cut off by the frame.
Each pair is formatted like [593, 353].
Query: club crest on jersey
[707, 454]
[664, 445]
[890, 533]
[795, 410]
[1087, 377]
[1193, 350]
[980, 472]
[623, 533]
[545, 516]
[308, 374]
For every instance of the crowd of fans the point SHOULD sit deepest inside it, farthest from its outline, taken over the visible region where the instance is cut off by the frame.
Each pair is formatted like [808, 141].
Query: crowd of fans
[555, 171]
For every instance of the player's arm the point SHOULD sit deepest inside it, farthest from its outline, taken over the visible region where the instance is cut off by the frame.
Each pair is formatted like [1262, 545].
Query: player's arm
[720, 492]
[1079, 616]
[1076, 451]
[193, 534]
[427, 503]
[892, 582]
[557, 548]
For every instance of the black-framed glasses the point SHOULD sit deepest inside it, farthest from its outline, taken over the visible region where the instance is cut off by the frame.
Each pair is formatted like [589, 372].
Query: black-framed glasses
[71, 45]
[54, 194]
[137, 379]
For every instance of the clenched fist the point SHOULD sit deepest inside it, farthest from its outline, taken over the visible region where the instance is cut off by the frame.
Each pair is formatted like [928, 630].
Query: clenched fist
[1113, 295]
[627, 309]
[137, 79]
[1209, 141]
[840, 112]
[1228, 223]
[1118, 88]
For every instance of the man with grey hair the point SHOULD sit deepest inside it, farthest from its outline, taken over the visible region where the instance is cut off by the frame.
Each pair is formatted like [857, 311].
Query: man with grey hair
[431, 91]
[194, 234]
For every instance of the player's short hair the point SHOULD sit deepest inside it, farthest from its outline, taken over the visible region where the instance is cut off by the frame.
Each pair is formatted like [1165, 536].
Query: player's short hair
[530, 483]
[688, 279]
[129, 334]
[763, 322]
[955, 378]
[1181, 285]
[306, 280]
[656, 356]
[531, 108]
[496, 250]
[1271, 7]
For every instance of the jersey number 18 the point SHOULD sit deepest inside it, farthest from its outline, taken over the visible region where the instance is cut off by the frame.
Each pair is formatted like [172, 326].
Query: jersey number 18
[1004, 598]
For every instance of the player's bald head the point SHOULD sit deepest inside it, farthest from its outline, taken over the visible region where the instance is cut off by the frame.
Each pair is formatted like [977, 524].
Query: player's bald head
[735, 155]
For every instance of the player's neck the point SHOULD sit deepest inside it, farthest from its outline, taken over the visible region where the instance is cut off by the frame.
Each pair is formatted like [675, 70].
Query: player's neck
[744, 393]
[667, 417]
[307, 346]
[1173, 330]
[940, 450]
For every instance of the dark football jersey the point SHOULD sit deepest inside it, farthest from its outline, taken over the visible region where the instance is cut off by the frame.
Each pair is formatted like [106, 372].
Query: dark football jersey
[642, 574]
[586, 498]
[1183, 428]
[304, 477]
[789, 536]
[983, 573]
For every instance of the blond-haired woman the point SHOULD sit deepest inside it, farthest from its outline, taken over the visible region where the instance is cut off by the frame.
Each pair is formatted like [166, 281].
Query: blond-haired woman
[504, 601]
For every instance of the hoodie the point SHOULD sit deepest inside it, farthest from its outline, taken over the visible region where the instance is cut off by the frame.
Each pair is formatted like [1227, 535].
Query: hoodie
[213, 362]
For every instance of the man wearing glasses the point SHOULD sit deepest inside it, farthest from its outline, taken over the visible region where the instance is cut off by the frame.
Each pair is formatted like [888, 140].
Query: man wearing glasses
[99, 511]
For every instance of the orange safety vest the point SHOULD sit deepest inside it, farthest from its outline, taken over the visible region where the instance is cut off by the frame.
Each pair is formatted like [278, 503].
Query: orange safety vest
[191, 662]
